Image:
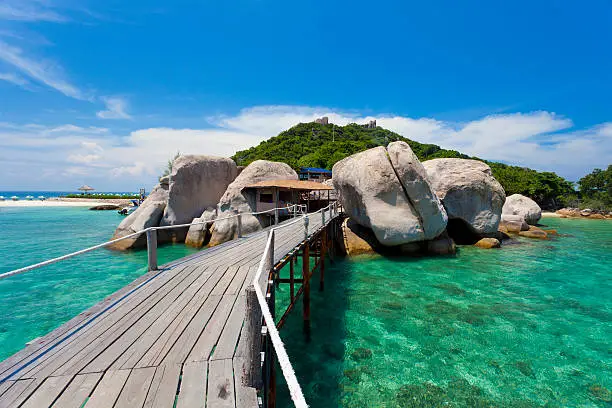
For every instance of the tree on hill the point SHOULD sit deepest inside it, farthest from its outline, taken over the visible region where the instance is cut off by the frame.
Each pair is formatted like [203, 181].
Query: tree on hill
[596, 189]
[318, 145]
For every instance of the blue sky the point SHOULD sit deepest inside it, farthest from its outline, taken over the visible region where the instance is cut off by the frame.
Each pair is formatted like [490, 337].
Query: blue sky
[104, 92]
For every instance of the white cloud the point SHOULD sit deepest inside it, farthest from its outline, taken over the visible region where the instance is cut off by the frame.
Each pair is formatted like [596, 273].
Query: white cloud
[115, 108]
[93, 155]
[14, 79]
[40, 70]
[25, 10]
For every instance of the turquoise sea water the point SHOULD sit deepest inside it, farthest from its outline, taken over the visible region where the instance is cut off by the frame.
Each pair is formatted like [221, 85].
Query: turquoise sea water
[528, 325]
[36, 302]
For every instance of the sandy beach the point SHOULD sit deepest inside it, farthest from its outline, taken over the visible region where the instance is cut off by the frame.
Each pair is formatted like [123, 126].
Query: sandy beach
[63, 202]
[550, 214]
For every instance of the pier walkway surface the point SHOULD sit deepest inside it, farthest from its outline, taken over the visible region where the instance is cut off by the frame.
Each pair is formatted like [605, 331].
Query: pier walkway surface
[170, 337]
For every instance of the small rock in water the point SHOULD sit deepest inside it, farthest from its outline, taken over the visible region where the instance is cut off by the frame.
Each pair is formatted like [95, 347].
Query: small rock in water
[525, 368]
[488, 243]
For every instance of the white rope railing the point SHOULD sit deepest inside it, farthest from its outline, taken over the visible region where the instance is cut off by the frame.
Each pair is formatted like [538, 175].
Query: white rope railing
[295, 390]
[138, 233]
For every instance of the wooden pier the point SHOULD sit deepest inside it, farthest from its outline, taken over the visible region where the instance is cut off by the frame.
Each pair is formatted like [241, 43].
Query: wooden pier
[179, 336]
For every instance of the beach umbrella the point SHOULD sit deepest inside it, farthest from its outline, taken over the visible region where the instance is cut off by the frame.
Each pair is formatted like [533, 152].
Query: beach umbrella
[86, 188]
[41, 198]
[14, 198]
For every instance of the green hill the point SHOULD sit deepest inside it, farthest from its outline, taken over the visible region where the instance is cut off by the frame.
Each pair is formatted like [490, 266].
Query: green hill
[316, 145]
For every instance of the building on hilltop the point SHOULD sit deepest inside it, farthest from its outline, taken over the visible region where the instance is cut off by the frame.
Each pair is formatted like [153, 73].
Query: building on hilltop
[322, 121]
[314, 174]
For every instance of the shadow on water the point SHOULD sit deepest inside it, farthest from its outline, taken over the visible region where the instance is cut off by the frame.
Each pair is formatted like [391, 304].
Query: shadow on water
[318, 361]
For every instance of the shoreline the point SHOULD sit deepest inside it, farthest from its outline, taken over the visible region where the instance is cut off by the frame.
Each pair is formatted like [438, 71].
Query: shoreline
[64, 202]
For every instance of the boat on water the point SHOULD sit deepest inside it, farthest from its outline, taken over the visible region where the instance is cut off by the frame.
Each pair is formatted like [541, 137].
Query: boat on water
[15, 198]
[129, 210]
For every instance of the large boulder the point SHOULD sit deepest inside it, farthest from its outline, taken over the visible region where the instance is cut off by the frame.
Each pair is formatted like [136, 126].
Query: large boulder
[387, 191]
[473, 199]
[196, 183]
[149, 214]
[199, 232]
[236, 200]
[518, 204]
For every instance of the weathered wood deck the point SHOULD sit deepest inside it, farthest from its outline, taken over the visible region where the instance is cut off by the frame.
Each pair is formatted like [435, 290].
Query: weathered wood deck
[170, 336]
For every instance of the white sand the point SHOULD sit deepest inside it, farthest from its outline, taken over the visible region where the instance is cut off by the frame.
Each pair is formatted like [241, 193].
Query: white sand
[49, 203]
[550, 214]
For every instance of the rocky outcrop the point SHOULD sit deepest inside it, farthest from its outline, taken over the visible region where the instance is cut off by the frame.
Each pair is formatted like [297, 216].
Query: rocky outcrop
[105, 207]
[387, 191]
[488, 243]
[235, 199]
[196, 183]
[518, 204]
[473, 199]
[199, 232]
[513, 223]
[149, 214]
[356, 239]
[534, 232]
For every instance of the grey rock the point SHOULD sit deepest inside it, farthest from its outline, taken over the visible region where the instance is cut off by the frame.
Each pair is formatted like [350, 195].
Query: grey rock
[388, 192]
[148, 214]
[235, 200]
[468, 191]
[199, 234]
[518, 204]
[196, 183]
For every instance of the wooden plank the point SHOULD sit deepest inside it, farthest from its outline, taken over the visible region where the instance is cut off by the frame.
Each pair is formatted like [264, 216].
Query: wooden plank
[193, 385]
[208, 339]
[136, 388]
[108, 390]
[78, 391]
[245, 396]
[164, 387]
[168, 321]
[119, 337]
[5, 386]
[92, 335]
[221, 392]
[19, 392]
[183, 345]
[225, 280]
[50, 389]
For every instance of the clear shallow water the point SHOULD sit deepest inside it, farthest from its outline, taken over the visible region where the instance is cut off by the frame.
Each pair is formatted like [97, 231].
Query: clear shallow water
[36, 302]
[526, 326]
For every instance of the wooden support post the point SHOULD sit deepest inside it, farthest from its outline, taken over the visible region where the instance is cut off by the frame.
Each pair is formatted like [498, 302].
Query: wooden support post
[306, 285]
[251, 371]
[152, 249]
[323, 251]
[292, 279]
[239, 233]
[276, 205]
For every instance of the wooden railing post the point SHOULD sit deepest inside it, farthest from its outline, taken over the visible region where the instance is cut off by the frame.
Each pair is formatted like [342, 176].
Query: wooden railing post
[252, 372]
[271, 252]
[152, 249]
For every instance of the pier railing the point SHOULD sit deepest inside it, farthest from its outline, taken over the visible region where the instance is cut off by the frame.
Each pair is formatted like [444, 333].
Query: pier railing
[151, 234]
[272, 340]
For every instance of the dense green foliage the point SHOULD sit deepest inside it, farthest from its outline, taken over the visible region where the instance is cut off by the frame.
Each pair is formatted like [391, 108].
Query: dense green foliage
[316, 145]
[596, 189]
